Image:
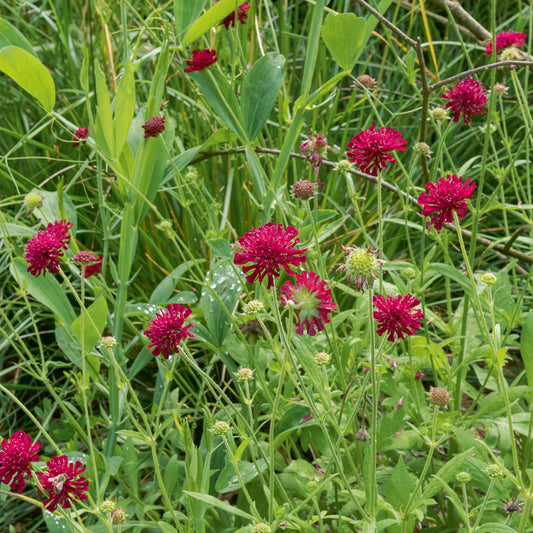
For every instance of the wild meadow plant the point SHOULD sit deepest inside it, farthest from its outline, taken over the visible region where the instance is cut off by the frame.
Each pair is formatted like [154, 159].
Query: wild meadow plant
[266, 266]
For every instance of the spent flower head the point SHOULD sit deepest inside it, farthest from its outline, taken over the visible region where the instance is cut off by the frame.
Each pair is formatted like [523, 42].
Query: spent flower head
[63, 482]
[362, 435]
[311, 301]
[266, 249]
[201, 59]
[445, 197]
[438, 396]
[314, 148]
[16, 455]
[396, 316]
[467, 98]
[167, 329]
[361, 266]
[370, 149]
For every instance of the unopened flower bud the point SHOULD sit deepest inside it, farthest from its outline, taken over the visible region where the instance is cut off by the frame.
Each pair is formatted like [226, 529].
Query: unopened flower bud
[220, 428]
[366, 81]
[344, 165]
[463, 477]
[494, 471]
[438, 113]
[262, 528]
[303, 189]
[500, 89]
[244, 374]
[32, 201]
[107, 506]
[108, 342]
[85, 258]
[254, 307]
[118, 516]
[322, 358]
[422, 149]
[438, 396]
[489, 278]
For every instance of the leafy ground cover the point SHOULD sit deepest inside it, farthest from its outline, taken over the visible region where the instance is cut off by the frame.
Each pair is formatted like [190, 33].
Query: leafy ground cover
[266, 266]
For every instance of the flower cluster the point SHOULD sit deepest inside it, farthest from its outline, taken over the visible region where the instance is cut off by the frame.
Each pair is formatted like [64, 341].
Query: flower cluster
[44, 250]
[505, 39]
[314, 148]
[311, 300]
[445, 197]
[268, 248]
[63, 482]
[396, 317]
[371, 148]
[16, 454]
[167, 329]
[80, 136]
[201, 59]
[154, 127]
[242, 15]
[467, 97]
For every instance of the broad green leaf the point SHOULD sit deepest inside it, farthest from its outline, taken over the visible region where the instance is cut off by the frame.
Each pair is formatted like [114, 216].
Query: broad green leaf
[400, 486]
[210, 19]
[18, 230]
[219, 504]
[94, 321]
[495, 527]
[242, 446]
[25, 69]
[164, 290]
[11, 36]
[56, 524]
[220, 248]
[260, 90]
[219, 297]
[185, 13]
[45, 289]
[227, 480]
[344, 35]
[105, 138]
[218, 92]
[124, 108]
[526, 349]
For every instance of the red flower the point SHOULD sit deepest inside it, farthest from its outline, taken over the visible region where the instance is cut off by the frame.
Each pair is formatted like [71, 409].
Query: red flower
[241, 15]
[167, 330]
[201, 59]
[91, 262]
[80, 136]
[61, 484]
[396, 317]
[154, 127]
[16, 454]
[311, 300]
[268, 248]
[444, 197]
[506, 39]
[467, 97]
[43, 251]
[371, 147]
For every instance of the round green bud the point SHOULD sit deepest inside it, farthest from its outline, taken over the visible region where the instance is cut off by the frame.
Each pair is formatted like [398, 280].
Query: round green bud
[108, 342]
[33, 201]
[262, 528]
[220, 428]
[438, 113]
[118, 516]
[463, 477]
[244, 374]
[254, 307]
[422, 149]
[107, 506]
[164, 225]
[489, 278]
[344, 165]
[322, 358]
[494, 471]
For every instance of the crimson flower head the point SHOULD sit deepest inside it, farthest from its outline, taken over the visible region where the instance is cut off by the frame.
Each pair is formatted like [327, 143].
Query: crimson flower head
[268, 248]
[311, 300]
[467, 97]
[506, 39]
[445, 197]
[80, 136]
[63, 483]
[16, 454]
[154, 127]
[91, 262]
[371, 148]
[44, 250]
[241, 15]
[396, 317]
[167, 329]
[201, 59]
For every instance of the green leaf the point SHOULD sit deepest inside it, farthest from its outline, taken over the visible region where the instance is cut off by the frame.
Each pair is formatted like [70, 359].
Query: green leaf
[526, 349]
[218, 92]
[45, 289]
[219, 504]
[260, 90]
[400, 486]
[495, 527]
[56, 524]
[10, 36]
[227, 480]
[124, 108]
[185, 12]
[210, 19]
[166, 287]
[344, 35]
[94, 321]
[18, 230]
[103, 127]
[25, 69]
[220, 248]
